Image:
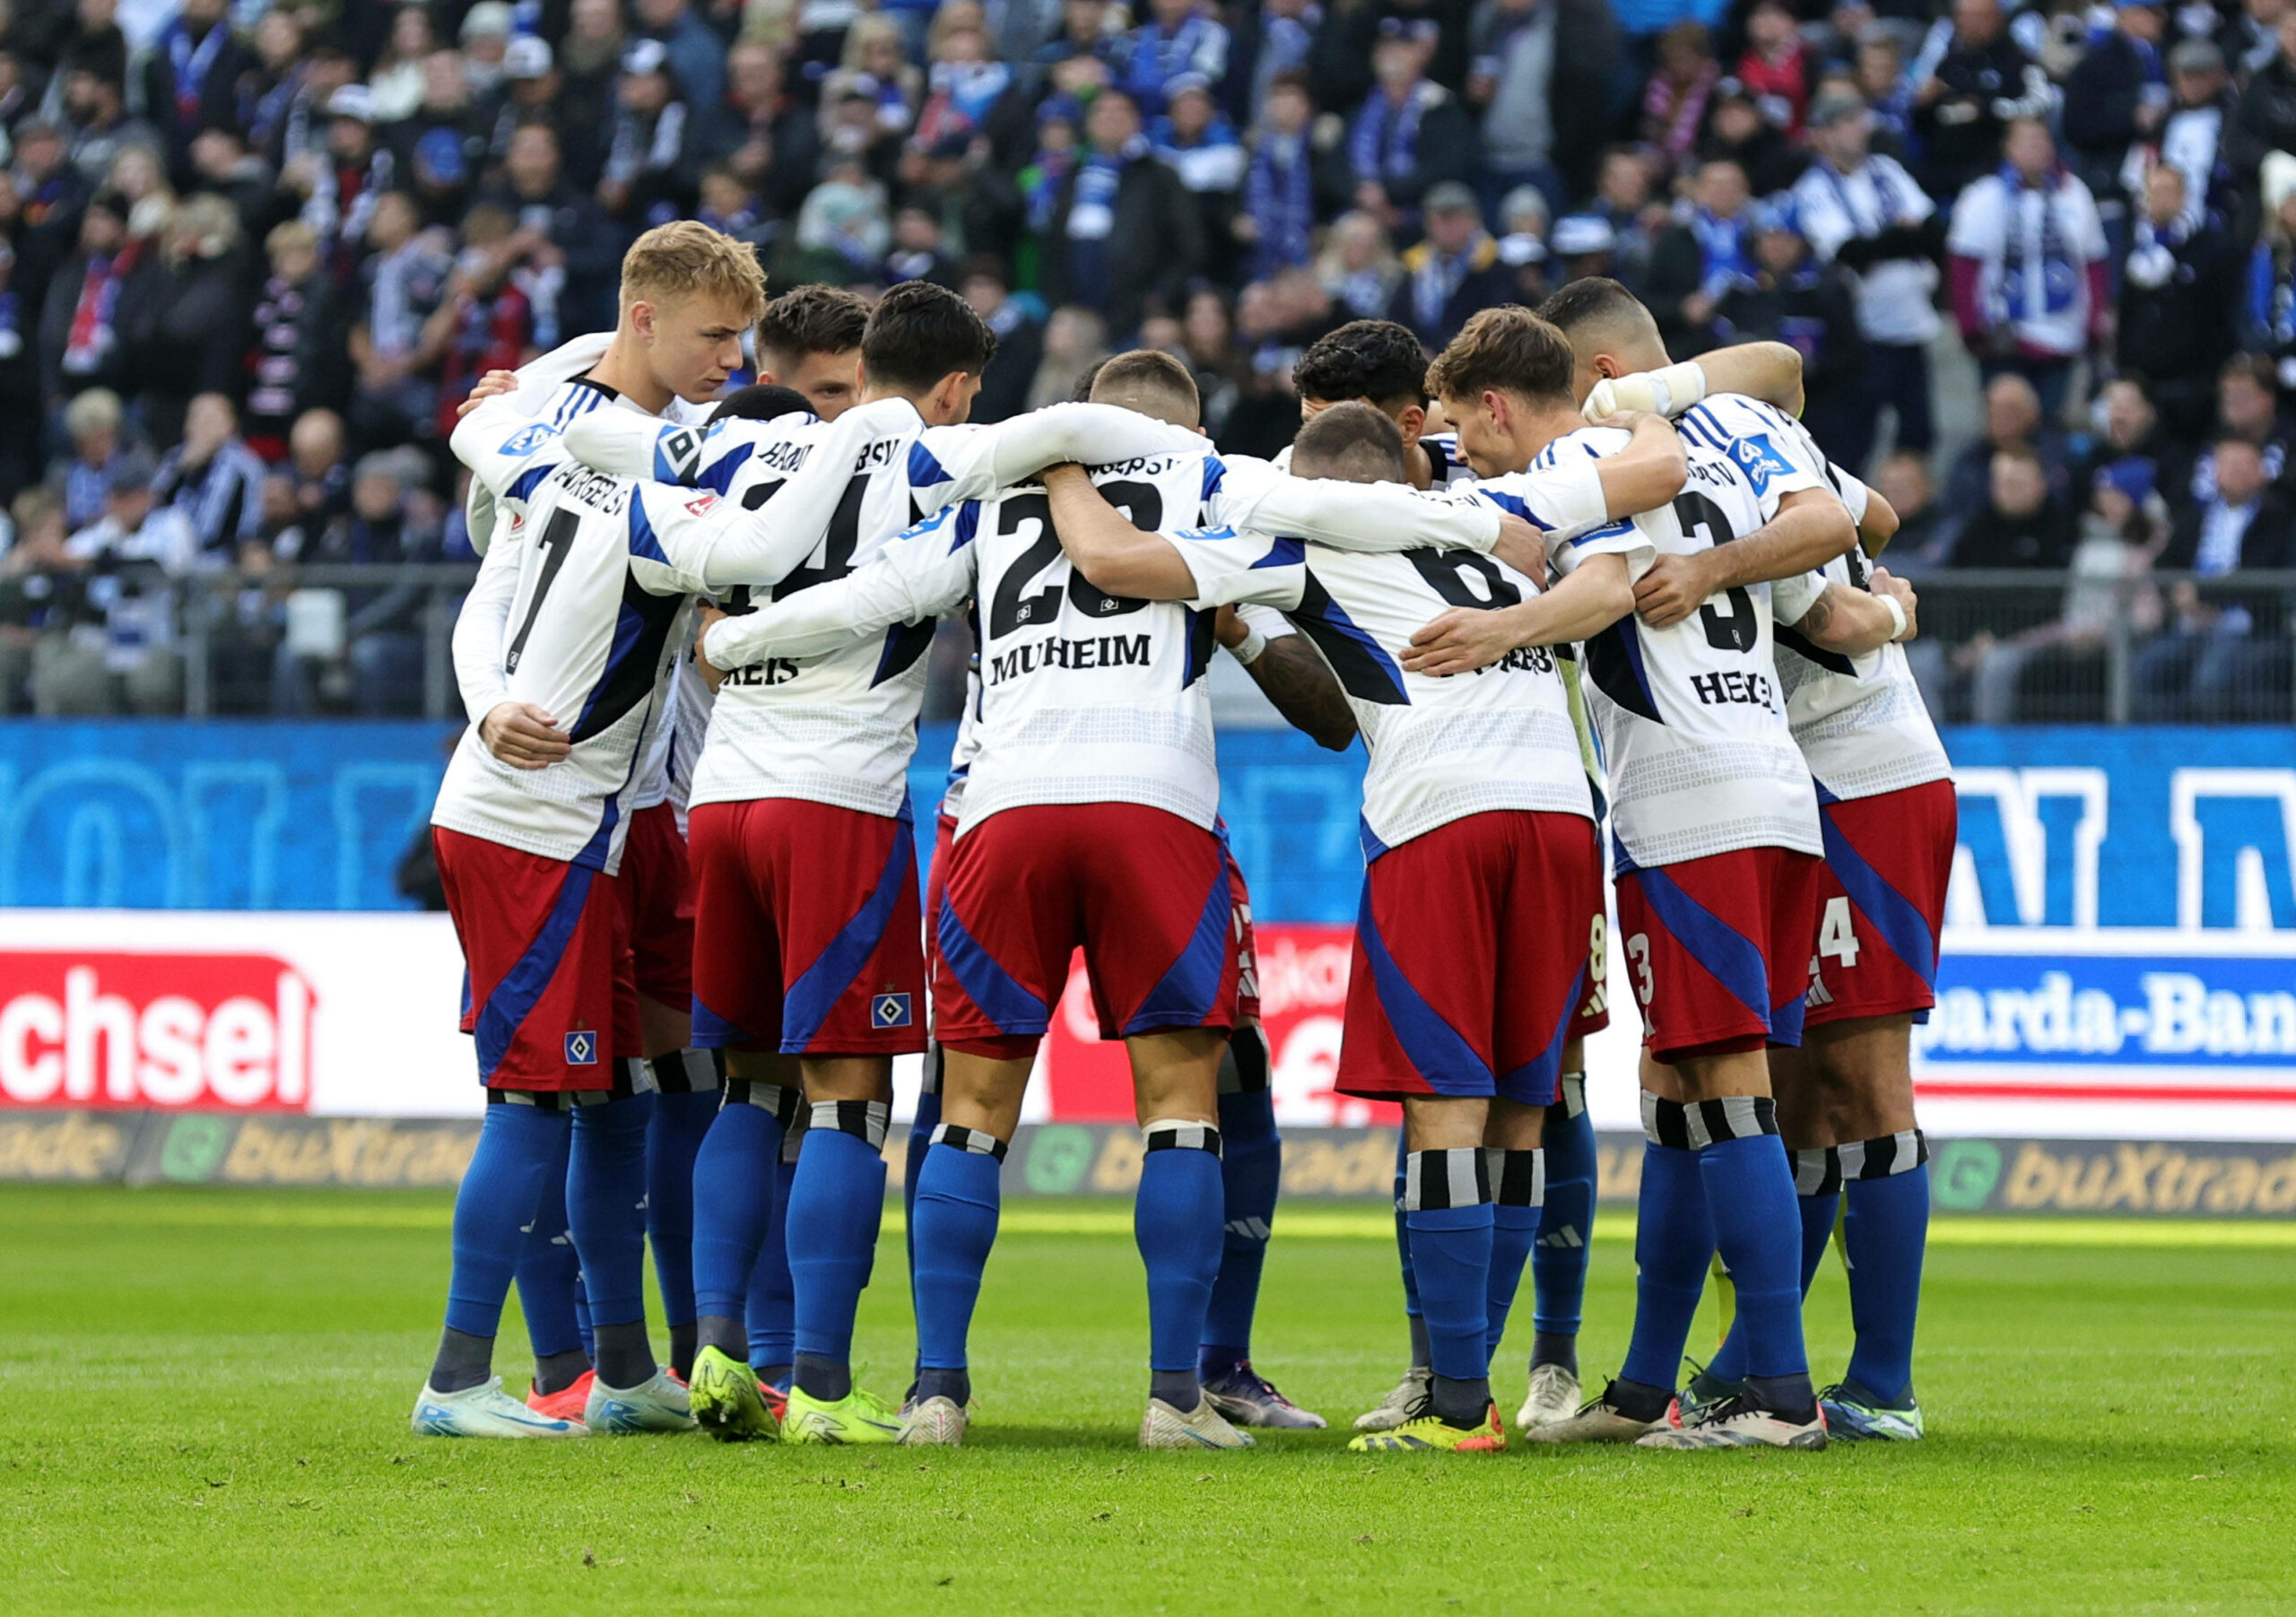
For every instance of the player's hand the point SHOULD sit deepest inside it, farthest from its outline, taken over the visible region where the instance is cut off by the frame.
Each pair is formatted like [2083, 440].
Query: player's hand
[522, 735]
[1617, 396]
[711, 674]
[1462, 640]
[1886, 583]
[1674, 588]
[1521, 546]
[492, 385]
[1229, 630]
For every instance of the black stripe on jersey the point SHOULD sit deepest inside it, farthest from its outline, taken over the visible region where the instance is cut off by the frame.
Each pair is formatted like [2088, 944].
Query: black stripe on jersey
[1615, 666]
[641, 630]
[904, 644]
[1800, 644]
[1365, 672]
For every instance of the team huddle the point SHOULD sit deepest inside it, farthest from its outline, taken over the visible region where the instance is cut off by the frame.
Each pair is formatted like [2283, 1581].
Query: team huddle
[679, 850]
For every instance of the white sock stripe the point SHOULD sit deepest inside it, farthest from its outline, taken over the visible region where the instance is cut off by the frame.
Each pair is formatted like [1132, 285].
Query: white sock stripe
[1433, 1180]
[979, 1142]
[863, 1119]
[1879, 1158]
[1570, 1094]
[1817, 1170]
[1162, 1134]
[638, 1074]
[687, 1072]
[785, 1101]
[1517, 1178]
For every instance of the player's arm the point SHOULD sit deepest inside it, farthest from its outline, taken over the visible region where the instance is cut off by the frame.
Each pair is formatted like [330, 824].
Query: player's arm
[1292, 674]
[501, 444]
[522, 734]
[1770, 371]
[1812, 527]
[1597, 594]
[927, 571]
[1103, 546]
[1876, 518]
[1650, 470]
[1850, 622]
[950, 464]
[1363, 516]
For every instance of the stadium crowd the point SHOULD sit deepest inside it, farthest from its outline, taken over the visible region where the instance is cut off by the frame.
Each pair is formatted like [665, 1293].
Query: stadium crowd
[253, 257]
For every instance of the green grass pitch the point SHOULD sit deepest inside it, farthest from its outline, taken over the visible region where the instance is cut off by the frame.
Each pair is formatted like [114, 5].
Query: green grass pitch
[204, 1399]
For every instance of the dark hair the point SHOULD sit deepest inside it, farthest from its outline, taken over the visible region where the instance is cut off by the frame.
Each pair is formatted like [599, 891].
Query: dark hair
[1292, 78]
[1374, 359]
[1509, 350]
[813, 320]
[761, 402]
[1590, 299]
[2257, 367]
[920, 333]
[1145, 377]
[1082, 392]
[1353, 443]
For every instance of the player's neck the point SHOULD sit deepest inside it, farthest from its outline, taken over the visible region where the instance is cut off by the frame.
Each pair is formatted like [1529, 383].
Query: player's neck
[623, 367]
[1542, 425]
[1422, 465]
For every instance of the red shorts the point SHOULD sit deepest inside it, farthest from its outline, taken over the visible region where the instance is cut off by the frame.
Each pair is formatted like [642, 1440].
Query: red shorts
[658, 887]
[1717, 950]
[1471, 959]
[805, 939]
[1146, 894]
[1881, 903]
[936, 880]
[1595, 1003]
[1246, 946]
[550, 996]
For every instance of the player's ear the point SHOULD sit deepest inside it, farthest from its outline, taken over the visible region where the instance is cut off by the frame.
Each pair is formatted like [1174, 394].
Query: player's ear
[1607, 370]
[1411, 423]
[642, 320]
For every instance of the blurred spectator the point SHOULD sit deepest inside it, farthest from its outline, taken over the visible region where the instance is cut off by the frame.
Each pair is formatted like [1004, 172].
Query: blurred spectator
[215, 480]
[873, 69]
[2192, 140]
[2013, 421]
[1453, 273]
[1789, 298]
[696, 55]
[1020, 340]
[393, 345]
[1412, 134]
[486, 321]
[194, 338]
[1739, 131]
[44, 193]
[2028, 263]
[1904, 481]
[1287, 181]
[100, 294]
[45, 667]
[2268, 323]
[2116, 97]
[191, 80]
[1707, 250]
[845, 222]
[96, 117]
[1201, 147]
[1523, 52]
[1179, 39]
[2211, 663]
[2179, 298]
[2132, 436]
[1359, 268]
[395, 84]
[369, 657]
[1076, 341]
[572, 257]
[652, 151]
[1779, 69]
[1287, 31]
[2264, 119]
[760, 133]
[2247, 407]
[1674, 101]
[1124, 229]
[1969, 81]
[132, 554]
[319, 480]
[1623, 200]
[94, 423]
[1863, 212]
[19, 392]
[2023, 524]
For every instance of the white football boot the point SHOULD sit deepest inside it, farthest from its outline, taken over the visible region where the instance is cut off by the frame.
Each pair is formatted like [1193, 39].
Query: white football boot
[1406, 1403]
[1203, 1427]
[1554, 1396]
[485, 1411]
[935, 1422]
[658, 1405]
[1599, 1421]
[1738, 1423]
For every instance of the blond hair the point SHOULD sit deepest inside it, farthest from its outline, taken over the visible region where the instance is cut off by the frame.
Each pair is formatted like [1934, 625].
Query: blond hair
[686, 259]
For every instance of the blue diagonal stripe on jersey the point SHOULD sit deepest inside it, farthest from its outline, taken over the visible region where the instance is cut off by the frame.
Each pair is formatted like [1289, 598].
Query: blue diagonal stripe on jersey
[1904, 929]
[1728, 955]
[642, 541]
[924, 471]
[1518, 506]
[1215, 472]
[1183, 996]
[718, 476]
[1432, 1046]
[628, 626]
[1372, 847]
[1283, 553]
[513, 998]
[1000, 998]
[1537, 1080]
[529, 481]
[968, 526]
[816, 993]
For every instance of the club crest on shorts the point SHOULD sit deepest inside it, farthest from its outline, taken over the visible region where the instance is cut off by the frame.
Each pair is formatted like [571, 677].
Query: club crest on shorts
[888, 1011]
[582, 1049]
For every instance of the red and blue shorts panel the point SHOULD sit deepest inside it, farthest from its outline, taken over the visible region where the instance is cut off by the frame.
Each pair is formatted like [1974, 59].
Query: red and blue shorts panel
[1717, 950]
[657, 883]
[805, 930]
[1147, 895]
[1882, 902]
[1471, 959]
[549, 996]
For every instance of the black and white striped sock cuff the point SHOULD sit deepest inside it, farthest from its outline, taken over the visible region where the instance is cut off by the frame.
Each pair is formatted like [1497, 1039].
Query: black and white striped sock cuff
[1436, 1180]
[863, 1119]
[1817, 1171]
[1570, 1093]
[687, 1071]
[1244, 1070]
[1900, 1153]
[1163, 1134]
[636, 1075]
[930, 1084]
[1694, 1126]
[1517, 1178]
[974, 1139]
[784, 1101]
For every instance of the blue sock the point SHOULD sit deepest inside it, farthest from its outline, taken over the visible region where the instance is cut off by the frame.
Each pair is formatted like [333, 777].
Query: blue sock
[1251, 1172]
[732, 1205]
[548, 1269]
[1412, 1316]
[1757, 1229]
[1512, 1231]
[1450, 1248]
[606, 1203]
[957, 1200]
[1729, 1362]
[519, 1148]
[1176, 1224]
[1674, 1238]
[921, 1140]
[773, 1310]
[1566, 1222]
[836, 1205]
[1886, 1228]
[582, 1306]
[673, 1139]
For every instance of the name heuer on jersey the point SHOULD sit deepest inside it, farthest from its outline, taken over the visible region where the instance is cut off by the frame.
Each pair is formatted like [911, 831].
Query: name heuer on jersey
[1694, 728]
[1441, 748]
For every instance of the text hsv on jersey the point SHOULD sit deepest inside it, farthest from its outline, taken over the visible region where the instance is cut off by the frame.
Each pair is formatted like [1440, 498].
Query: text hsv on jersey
[1694, 725]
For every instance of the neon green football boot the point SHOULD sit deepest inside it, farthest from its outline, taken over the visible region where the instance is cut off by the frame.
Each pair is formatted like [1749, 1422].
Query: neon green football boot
[859, 1417]
[726, 1401]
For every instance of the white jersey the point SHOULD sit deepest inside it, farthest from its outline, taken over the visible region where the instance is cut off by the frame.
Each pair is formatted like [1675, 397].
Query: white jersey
[1085, 696]
[1860, 721]
[1448, 465]
[1441, 748]
[1692, 719]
